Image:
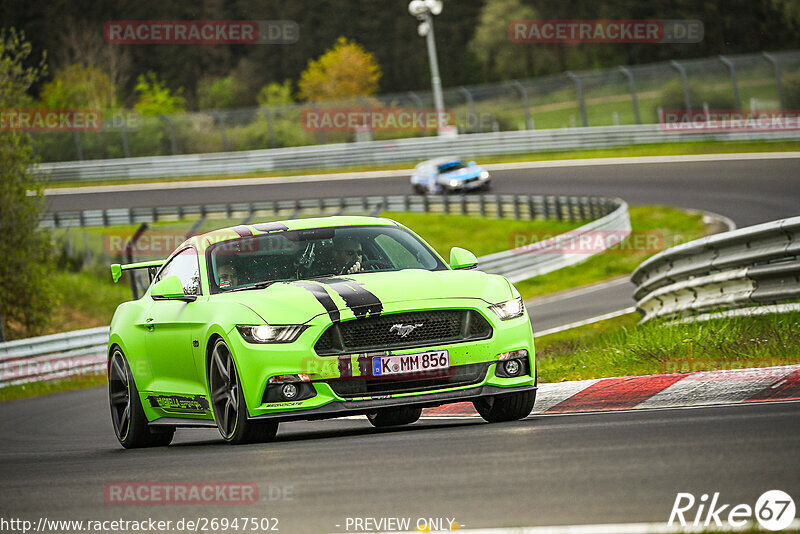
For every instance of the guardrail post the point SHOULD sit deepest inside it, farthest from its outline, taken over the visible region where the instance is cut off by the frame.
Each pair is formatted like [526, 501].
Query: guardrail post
[685, 82]
[559, 214]
[499, 207]
[516, 207]
[78, 147]
[634, 99]
[524, 94]
[171, 127]
[579, 92]
[463, 201]
[728, 63]
[772, 59]
[471, 117]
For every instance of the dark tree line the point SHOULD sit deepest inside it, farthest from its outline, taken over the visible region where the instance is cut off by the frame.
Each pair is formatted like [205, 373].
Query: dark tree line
[385, 28]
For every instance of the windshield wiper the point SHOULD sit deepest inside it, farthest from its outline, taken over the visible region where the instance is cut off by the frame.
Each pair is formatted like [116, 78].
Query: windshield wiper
[262, 285]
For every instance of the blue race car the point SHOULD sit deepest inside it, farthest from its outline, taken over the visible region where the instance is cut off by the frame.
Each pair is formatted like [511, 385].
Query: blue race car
[449, 175]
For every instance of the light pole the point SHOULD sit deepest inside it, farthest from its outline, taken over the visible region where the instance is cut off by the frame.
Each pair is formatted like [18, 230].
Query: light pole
[424, 10]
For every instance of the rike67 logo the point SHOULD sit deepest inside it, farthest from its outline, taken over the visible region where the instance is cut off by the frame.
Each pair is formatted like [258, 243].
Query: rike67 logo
[774, 510]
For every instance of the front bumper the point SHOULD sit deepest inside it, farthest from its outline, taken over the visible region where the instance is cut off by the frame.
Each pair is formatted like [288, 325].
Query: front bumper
[258, 363]
[361, 407]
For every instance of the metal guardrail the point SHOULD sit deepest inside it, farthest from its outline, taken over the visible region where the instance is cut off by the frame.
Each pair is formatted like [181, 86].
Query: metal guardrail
[57, 356]
[502, 206]
[383, 152]
[84, 351]
[750, 266]
[556, 253]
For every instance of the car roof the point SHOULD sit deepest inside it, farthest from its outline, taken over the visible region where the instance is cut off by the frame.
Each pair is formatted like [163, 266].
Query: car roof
[440, 161]
[234, 232]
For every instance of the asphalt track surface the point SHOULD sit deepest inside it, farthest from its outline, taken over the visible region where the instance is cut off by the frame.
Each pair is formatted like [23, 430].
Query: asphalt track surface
[749, 192]
[58, 452]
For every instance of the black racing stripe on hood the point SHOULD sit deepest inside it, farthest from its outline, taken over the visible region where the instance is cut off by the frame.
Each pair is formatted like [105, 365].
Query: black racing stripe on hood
[361, 301]
[323, 298]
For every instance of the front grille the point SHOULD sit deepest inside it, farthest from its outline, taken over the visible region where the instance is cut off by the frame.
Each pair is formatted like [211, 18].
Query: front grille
[459, 375]
[434, 327]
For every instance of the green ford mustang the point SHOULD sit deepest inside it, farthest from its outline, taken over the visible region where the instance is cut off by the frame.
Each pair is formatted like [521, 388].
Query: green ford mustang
[244, 327]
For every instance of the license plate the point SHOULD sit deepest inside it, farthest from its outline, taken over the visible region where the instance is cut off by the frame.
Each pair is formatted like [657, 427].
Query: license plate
[410, 363]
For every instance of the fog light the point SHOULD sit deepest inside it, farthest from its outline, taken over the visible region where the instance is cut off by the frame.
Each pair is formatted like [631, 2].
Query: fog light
[512, 367]
[289, 391]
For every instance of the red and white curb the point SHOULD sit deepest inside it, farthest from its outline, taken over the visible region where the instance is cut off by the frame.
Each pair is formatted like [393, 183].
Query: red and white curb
[656, 391]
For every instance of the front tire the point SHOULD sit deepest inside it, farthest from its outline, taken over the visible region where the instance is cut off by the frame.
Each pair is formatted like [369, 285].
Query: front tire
[508, 407]
[127, 415]
[228, 404]
[405, 415]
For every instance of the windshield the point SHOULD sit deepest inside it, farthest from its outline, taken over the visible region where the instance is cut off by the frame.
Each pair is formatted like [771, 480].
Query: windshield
[252, 262]
[452, 166]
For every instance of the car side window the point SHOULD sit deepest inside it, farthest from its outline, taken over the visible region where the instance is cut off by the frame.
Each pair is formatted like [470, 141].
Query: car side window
[184, 265]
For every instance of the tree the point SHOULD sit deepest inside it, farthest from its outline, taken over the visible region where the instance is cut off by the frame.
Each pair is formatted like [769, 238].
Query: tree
[276, 94]
[499, 55]
[80, 87]
[26, 293]
[344, 71]
[217, 93]
[155, 98]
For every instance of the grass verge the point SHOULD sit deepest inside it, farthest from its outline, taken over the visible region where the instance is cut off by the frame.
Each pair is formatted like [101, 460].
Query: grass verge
[618, 347]
[35, 389]
[655, 149]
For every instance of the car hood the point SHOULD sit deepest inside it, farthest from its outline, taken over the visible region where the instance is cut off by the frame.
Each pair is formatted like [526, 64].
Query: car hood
[356, 295]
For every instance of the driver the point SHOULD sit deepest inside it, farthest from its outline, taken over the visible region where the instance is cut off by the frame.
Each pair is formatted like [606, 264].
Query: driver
[347, 255]
[227, 276]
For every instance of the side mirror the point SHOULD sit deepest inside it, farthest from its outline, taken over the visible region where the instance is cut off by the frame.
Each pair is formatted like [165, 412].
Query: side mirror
[461, 258]
[170, 288]
[471, 163]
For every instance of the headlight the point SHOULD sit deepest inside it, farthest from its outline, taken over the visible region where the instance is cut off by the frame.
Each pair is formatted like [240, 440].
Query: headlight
[266, 333]
[509, 309]
[484, 175]
[455, 183]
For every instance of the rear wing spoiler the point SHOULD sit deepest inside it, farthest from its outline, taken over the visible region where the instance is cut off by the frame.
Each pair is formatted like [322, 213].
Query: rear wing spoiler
[116, 268]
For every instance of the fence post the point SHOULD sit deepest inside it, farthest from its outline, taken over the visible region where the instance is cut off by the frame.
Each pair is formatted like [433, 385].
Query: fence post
[524, 94]
[472, 119]
[634, 99]
[772, 59]
[221, 121]
[2, 329]
[579, 92]
[418, 101]
[173, 142]
[320, 134]
[270, 128]
[728, 63]
[682, 71]
[126, 149]
[78, 147]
